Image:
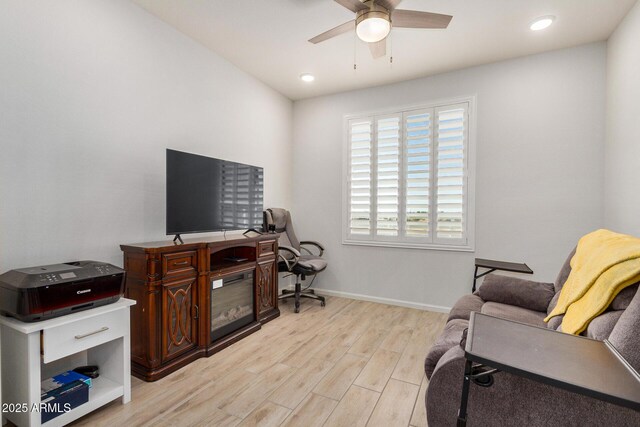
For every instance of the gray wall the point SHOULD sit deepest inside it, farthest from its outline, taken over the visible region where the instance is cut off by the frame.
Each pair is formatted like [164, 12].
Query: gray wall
[91, 94]
[622, 179]
[539, 179]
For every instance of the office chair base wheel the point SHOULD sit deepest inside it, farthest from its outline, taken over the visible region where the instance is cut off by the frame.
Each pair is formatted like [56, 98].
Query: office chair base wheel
[322, 304]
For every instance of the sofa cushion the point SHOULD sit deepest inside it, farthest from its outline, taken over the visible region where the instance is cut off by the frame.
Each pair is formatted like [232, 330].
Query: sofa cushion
[464, 306]
[514, 291]
[512, 312]
[449, 338]
[563, 275]
[600, 328]
[625, 336]
[553, 303]
[555, 322]
[623, 299]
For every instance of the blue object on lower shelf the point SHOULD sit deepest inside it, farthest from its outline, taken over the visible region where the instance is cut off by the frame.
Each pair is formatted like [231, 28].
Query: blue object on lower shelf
[63, 399]
[61, 379]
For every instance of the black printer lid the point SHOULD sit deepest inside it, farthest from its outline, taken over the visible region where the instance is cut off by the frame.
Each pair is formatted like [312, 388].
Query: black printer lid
[57, 274]
[53, 268]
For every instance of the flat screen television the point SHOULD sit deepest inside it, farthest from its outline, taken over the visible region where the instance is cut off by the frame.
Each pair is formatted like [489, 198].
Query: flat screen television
[206, 194]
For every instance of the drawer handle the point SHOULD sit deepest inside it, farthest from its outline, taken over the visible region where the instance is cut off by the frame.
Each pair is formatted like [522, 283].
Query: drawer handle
[181, 263]
[104, 328]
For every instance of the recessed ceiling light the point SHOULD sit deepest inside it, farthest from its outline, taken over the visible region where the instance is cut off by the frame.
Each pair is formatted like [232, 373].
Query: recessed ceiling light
[306, 77]
[542, 23]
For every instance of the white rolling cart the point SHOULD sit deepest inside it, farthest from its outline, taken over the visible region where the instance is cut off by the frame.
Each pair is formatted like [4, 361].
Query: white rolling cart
[35, 351]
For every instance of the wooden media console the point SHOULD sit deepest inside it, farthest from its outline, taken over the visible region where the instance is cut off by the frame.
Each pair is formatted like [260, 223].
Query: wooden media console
[176, 285]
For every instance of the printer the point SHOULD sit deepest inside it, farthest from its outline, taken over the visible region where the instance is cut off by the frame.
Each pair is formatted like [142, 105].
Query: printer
[39, 293]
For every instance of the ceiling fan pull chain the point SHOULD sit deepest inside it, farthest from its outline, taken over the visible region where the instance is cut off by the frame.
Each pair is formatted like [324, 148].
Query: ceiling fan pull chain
[391, 50]
[355, 46]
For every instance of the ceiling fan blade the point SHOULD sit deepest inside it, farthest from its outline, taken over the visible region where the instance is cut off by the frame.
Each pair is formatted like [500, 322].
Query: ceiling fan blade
[336, 31]
[352, 5]
[378, 49]
[388, 4]
[416, 19]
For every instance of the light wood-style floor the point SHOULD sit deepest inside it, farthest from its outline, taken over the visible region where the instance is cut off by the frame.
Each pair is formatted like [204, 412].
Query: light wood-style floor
[351, 363]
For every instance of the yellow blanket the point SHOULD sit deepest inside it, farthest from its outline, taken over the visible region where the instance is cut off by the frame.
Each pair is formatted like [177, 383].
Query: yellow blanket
[604, 264]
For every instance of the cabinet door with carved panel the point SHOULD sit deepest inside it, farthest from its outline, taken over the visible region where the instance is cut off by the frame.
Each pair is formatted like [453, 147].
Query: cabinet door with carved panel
[266, 283]
[179, 317]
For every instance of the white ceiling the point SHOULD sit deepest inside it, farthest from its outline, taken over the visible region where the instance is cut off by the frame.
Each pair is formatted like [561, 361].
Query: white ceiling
[268, 38]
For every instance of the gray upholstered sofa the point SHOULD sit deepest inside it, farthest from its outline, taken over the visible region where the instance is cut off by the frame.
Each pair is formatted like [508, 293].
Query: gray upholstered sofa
[512, 400]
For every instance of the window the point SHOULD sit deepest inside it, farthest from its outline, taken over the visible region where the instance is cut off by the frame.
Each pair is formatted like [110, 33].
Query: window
[407, 182]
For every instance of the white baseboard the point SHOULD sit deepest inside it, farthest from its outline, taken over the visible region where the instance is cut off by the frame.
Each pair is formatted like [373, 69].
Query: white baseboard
[390, 301]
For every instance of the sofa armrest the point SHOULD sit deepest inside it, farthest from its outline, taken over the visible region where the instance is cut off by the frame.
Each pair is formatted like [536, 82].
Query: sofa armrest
[515, 291]
[514, 400]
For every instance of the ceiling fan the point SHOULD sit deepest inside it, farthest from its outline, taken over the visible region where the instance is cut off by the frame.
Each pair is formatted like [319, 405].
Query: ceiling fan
[374, 19]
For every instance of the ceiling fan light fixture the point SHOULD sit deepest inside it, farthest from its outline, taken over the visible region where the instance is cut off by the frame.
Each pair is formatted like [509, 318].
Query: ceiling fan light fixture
[542, 23]
[373, 24]
[373, 29]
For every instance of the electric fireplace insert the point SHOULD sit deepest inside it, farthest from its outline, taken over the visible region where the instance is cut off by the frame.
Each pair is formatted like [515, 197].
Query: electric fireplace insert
[231, 304]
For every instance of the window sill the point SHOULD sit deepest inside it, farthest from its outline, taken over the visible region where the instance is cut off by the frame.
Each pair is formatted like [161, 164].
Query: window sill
[407, 245]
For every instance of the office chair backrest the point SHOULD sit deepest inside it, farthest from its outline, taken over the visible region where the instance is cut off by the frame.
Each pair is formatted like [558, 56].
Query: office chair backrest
[282, 220]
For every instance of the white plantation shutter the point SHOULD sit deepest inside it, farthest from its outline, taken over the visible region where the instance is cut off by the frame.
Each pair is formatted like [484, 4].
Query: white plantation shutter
[360, 178]
[387, 175]
[450, 166]
[417, 172]
[407, 178]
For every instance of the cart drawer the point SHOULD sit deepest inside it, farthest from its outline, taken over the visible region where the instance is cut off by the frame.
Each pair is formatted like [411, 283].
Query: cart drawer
[64, 340]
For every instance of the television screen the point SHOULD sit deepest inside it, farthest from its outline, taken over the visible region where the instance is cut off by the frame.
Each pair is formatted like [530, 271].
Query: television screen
[206, 194]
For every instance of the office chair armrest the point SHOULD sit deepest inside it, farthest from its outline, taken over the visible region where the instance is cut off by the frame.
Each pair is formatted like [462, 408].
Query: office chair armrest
[290, 249]
[296, 255]
[313, 243]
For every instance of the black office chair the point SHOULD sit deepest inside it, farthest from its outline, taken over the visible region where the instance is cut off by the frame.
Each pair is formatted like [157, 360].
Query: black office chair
[290, 257]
